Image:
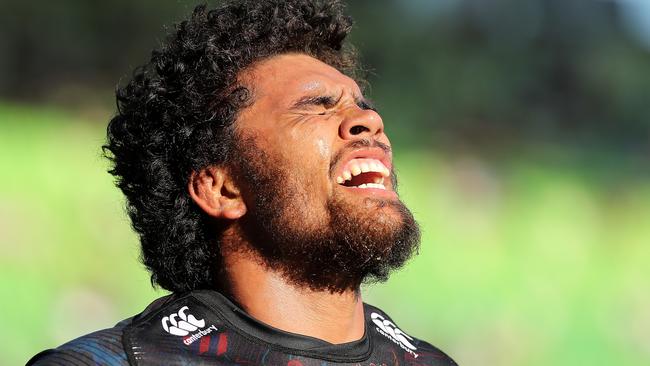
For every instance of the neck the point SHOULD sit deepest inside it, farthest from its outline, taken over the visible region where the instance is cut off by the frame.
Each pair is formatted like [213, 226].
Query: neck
[265, 295]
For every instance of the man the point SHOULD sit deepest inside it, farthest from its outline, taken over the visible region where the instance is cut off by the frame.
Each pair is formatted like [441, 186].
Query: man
[260, 182]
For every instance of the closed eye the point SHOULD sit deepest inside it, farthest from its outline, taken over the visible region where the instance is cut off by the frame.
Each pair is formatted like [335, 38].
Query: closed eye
[318, 101]
[328, 102]
[365, 104]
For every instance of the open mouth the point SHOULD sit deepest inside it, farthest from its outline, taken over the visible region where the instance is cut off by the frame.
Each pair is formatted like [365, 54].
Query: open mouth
[363, 173]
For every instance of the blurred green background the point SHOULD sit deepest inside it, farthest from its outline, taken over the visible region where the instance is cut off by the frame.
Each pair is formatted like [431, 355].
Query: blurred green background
[522, 138]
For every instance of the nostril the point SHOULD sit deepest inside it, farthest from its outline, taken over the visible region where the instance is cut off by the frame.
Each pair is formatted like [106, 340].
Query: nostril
[356, 130]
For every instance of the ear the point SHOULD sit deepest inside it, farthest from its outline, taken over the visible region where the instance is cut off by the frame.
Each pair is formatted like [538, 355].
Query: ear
[214, 190]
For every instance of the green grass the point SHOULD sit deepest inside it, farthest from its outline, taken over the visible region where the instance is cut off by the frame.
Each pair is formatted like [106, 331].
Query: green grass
[525, 262]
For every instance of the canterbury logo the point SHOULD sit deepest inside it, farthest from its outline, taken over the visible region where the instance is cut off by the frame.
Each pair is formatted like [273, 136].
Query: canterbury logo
[389, 329]
[181, 324]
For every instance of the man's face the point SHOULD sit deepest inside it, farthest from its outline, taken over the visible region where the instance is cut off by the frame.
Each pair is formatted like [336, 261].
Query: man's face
[316, 168]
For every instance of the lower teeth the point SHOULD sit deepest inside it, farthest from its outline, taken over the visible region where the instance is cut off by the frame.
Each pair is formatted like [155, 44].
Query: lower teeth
[371, 185]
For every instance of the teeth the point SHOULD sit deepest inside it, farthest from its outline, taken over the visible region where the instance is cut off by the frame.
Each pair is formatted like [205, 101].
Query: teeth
[364, 166]
[372, 185]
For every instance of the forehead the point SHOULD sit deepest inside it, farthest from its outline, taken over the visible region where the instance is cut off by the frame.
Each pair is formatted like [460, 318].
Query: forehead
[284, 77]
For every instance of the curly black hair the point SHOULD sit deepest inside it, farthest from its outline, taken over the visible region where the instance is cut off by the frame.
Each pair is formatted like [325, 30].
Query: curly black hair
[175, 116]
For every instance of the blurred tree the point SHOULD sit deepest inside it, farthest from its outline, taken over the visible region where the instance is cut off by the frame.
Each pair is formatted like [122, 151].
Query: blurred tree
[482, 75]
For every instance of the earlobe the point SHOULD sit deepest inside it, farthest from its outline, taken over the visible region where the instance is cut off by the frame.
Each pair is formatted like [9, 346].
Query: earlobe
[213, 190]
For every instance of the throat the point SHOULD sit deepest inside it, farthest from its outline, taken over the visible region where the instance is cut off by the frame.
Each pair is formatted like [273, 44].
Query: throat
[332, 317]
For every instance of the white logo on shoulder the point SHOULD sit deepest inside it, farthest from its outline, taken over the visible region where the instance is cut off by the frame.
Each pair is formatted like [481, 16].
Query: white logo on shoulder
[181, 324]
[390, 330]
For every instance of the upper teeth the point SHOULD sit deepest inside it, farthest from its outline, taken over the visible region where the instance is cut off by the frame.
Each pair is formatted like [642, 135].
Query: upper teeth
[358, 166]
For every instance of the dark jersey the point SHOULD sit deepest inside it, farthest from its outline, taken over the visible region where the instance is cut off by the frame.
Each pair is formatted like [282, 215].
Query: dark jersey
[205, 328]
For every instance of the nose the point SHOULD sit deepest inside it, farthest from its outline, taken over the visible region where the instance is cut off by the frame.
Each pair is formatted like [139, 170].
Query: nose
[360, 123]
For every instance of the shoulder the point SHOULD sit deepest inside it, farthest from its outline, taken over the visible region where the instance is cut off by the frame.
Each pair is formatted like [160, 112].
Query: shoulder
[103, 347]
[383, 329]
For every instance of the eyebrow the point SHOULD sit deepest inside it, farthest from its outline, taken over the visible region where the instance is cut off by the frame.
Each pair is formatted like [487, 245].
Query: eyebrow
[329, 100]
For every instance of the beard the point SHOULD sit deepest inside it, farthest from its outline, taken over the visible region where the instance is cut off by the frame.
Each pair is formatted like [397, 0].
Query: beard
[332, 247]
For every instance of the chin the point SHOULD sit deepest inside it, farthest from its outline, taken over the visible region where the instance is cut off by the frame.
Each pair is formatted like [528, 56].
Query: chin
[379, 215]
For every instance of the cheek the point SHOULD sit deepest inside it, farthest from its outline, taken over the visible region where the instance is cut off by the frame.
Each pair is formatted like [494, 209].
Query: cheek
[311, 146]
[323, 148]
[311, 154]
[324, 156]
